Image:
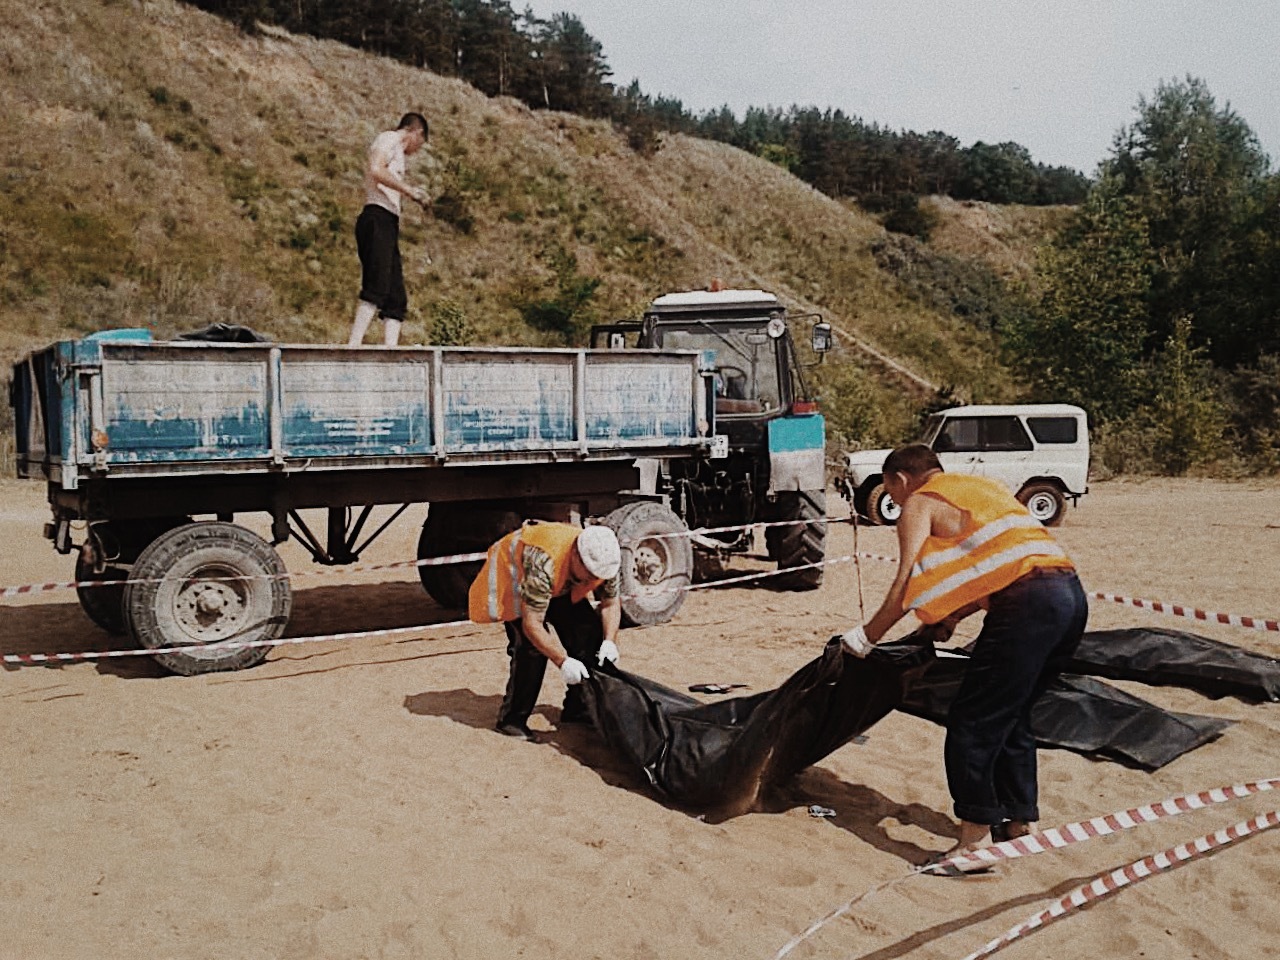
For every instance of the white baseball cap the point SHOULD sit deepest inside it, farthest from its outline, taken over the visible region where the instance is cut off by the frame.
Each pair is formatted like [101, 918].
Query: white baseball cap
[599, 551]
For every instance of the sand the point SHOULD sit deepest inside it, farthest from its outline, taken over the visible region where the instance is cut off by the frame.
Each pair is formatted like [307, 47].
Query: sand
[350, 800]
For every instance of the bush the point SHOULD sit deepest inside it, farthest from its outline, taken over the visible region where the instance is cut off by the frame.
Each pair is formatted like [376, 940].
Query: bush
[449, 325]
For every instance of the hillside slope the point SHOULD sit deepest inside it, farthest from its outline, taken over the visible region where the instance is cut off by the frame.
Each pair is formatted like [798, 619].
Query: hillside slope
[163, 169]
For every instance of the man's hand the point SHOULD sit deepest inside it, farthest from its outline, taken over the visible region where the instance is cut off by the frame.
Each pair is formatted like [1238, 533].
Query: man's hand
[573, 671]
[608, 651]
[855, 641]
[420, 197]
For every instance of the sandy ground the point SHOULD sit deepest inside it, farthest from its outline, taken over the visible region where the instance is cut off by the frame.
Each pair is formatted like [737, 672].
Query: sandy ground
[351, 801]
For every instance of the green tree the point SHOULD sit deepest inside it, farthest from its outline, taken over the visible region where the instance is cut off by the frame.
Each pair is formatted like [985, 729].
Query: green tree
[1198, 176]
[1186, 418]
[1084, 341]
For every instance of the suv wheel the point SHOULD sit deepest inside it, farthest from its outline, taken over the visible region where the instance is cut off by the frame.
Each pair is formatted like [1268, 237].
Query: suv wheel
[881, 508]
[1044, 501]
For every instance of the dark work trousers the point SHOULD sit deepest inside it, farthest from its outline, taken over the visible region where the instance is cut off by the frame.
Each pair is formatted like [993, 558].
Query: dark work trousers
[381, 272]
[1032, 628]
[580, 631]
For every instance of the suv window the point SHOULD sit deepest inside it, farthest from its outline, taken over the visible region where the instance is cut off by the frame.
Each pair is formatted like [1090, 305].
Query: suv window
[958, 434]
[1054, 429]
[1004, 433]
[972, 434]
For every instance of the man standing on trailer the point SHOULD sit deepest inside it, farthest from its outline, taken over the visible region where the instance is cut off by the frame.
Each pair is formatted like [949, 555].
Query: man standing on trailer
[536, 581]
[966, 544]
[378, 229]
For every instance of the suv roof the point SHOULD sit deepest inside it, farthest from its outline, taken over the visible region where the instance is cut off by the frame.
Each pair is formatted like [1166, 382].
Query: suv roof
[1014, 409]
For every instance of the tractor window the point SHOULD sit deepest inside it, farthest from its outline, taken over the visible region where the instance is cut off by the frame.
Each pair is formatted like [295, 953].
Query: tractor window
[746, 380]
[1004, 433]
[1054, 429]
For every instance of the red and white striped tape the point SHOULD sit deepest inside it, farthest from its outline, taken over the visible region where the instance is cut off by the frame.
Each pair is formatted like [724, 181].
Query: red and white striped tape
[1110, 883]
[32, 659]
[1054, 839]
[1191, 613]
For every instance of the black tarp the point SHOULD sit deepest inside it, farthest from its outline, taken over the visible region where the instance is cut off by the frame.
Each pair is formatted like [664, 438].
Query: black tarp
[1176, 658]
[725, 752]
[1081, 714]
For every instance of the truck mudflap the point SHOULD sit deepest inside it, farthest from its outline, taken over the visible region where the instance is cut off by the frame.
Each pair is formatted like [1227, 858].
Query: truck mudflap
[797, 453]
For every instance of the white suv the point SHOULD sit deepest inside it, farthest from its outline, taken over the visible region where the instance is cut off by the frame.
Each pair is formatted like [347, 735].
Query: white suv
[1040, 451]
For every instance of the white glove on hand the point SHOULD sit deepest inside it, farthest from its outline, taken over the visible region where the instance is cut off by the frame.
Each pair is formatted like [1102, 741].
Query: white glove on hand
[573, 671]
[608, 651]
[856, 642]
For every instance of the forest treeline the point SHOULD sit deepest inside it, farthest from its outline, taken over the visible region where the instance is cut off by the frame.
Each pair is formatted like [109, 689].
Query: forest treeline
[556, 64]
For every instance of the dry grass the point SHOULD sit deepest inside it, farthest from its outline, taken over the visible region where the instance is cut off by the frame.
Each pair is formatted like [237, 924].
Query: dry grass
[164, 170]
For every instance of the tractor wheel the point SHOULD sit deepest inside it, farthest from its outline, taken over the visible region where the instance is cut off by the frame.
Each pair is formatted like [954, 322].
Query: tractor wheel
[801, 543]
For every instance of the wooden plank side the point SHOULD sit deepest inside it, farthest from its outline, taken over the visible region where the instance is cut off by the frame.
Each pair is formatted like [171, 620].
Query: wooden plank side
[165, 405]
[345, 405]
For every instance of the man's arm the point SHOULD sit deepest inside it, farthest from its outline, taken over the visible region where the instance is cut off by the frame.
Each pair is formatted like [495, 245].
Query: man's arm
[611, 618]
[541, 636]
[913, 529]
[380, 170]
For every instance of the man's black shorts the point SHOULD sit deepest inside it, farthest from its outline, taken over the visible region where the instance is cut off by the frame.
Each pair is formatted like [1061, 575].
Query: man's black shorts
[382, 278]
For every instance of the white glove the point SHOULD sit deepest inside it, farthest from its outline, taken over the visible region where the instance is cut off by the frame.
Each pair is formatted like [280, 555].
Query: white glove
[608, 651]
[856, 642]
[573, 671]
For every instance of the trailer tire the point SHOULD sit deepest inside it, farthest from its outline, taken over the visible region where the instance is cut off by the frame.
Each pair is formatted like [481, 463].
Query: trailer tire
[102, 605]
[125, 541]
[656, 569]
[459, 528]
[183, 595]
[798, 544]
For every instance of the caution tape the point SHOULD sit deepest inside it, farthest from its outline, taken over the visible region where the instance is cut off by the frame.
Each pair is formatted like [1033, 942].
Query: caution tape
[31, 659]
[1191, 613]
[1054, 839]
[1110, 883]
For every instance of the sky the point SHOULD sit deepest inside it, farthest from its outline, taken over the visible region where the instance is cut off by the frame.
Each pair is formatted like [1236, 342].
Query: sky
[1060, 77]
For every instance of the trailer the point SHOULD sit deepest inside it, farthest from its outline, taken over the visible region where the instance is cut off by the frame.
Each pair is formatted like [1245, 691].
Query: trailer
[155, 450]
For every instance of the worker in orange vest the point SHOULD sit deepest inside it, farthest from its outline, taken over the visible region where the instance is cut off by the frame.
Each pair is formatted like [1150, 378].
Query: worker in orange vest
[965, 543]
[536, 581]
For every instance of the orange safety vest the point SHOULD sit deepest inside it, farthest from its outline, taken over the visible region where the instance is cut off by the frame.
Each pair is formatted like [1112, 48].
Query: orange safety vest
[495, 594]
[1001, 542]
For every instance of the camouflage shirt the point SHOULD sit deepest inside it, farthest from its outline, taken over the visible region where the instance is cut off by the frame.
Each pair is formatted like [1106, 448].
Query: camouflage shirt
[538, 574]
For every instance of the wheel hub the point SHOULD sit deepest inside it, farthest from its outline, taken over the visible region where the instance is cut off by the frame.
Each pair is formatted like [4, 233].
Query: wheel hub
[209, 610]
[650, 562]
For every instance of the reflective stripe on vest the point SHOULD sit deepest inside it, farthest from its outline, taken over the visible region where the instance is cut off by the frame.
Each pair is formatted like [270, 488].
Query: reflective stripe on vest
[1002, 543]
[495, 594]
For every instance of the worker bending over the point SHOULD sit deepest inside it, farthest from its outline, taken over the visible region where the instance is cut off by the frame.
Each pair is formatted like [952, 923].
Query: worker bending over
[965, 543]
[536, 581]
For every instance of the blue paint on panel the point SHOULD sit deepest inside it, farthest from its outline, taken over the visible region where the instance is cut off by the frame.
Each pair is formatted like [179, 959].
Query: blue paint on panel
[789, 434]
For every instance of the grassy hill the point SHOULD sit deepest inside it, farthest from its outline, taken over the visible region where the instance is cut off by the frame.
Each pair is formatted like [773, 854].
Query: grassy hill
[162, 169]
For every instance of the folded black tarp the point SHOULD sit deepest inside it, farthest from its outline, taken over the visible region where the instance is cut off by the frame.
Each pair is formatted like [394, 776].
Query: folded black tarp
[1081, 714]
[1179, 659]
[724, 753]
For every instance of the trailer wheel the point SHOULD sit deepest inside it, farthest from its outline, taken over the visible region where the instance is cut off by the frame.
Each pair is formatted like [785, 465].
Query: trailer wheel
[656, 569]
[122, 542]
[459, 528]
[204, 583]
[102, 605]
[799, 543]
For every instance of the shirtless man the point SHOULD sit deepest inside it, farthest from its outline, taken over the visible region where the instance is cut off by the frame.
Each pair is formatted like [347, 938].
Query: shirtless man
[966, 544]
[378, 229]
